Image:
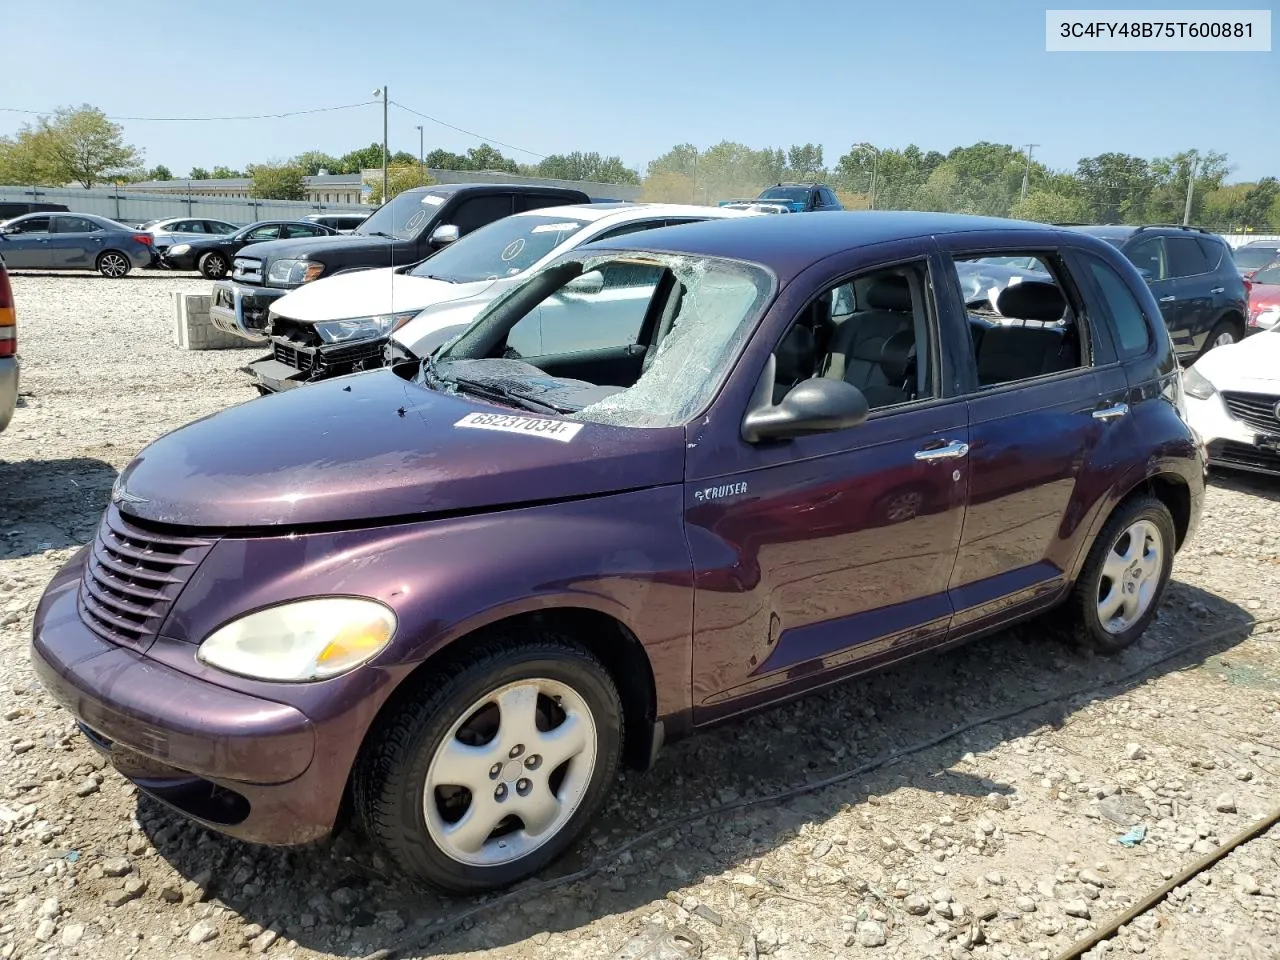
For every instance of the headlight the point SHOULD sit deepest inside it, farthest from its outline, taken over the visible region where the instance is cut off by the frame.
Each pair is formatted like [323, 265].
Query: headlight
[301, 641]
[180, 249]
[1197, 385]
[294, 271]
[363, 328]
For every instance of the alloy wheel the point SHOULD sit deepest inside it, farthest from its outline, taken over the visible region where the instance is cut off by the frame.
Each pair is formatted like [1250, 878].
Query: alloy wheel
[510, 773]
[1224, 339]
[1130, 576]
[113, 265]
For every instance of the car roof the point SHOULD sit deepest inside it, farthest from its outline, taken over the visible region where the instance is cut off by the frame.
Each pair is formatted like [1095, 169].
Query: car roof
[451, 188]
[1265, 244]
[624, 212]
[1102, 229]
[787, 245]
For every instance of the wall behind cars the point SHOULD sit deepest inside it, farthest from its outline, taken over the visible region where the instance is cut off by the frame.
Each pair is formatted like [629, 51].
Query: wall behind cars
[126, 206]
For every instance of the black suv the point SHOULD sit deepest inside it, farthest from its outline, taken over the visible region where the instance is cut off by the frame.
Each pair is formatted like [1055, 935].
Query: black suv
[409, 228]
[1193, 276]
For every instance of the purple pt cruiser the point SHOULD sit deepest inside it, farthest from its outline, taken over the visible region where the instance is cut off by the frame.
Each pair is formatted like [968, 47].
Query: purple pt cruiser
[771, 453]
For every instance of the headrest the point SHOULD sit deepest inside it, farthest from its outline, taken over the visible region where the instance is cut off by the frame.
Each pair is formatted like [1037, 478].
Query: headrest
[896, 355]
[890, 293]
[796, 356]
[1032, 300]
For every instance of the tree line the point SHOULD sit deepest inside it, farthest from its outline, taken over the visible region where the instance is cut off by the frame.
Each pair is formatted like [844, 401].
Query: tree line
[80, 145]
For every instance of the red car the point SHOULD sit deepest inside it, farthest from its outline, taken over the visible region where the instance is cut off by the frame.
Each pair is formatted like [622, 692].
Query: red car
[1264, 299]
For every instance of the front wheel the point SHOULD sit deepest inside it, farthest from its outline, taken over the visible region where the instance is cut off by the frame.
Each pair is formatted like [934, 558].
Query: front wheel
[213, 266]
[113, 264]
[486, 772]
[1125, 575]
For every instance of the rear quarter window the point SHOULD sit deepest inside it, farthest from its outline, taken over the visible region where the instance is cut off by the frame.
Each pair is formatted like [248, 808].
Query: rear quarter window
[1129, 326]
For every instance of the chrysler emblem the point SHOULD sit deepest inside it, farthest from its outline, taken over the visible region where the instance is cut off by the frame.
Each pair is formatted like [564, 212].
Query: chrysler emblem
[120, 495]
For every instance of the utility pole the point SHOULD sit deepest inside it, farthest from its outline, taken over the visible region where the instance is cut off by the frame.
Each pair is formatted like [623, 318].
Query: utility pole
[1026, 171]
[1191, 183]
[385, 94]
[422, 163]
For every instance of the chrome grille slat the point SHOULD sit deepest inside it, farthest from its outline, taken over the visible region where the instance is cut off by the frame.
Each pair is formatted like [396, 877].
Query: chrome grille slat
[1255, 409]
[132, 577]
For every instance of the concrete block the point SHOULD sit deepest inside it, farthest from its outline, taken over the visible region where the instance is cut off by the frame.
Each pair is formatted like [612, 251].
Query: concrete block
[192, 329]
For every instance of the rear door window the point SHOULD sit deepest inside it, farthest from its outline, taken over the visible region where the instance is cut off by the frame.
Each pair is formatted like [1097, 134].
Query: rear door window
[270, 232]
[1186, 259]
[536, 201]
[1129, 326]
[475, 212]
[74, 225]
[33, 225]
[1149, 255]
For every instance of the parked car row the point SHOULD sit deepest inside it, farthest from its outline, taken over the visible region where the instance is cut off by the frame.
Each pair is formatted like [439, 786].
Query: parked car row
[670, 476]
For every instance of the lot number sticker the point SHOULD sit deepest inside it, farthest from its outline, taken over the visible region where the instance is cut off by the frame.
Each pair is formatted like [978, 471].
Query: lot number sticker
[560, 430]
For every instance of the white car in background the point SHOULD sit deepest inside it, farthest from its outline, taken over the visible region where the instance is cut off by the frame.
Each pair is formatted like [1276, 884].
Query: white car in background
[351, 313]
[1233, 403]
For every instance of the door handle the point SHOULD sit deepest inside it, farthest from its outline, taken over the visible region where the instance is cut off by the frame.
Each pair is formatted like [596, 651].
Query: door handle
[1111, 412]
[1169, 299]
[948, 451]
[1217, 289]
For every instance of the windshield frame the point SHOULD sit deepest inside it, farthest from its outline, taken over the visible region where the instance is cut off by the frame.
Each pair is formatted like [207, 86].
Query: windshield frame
[408, 200]
[430, 267]
[500, 312]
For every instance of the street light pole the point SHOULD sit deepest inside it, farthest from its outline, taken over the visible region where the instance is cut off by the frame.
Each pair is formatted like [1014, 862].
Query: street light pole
[422, 163]
[385, 94]
[1026, 171]
[875, 163]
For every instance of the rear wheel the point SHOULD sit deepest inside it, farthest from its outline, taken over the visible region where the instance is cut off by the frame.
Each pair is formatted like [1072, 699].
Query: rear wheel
[487, 773]
[1223, 334]
[1125, 575]
[113, 264]
[213, 265]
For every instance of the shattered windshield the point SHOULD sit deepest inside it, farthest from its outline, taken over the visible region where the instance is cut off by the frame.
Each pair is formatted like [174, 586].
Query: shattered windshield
[404, 216]
[501, 249]
[640, 340]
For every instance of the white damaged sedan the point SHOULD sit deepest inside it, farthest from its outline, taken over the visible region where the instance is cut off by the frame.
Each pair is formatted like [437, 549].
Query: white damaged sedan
[1233, 402]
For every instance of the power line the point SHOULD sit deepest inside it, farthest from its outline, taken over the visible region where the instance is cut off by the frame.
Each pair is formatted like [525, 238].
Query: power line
[262, 116]
[470, 133]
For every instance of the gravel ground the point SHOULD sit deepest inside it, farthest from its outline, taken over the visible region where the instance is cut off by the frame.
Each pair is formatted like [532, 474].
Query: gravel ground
[1001, 839]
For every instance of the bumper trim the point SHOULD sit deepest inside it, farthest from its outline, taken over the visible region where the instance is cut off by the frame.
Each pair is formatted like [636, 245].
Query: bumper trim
[232, 319]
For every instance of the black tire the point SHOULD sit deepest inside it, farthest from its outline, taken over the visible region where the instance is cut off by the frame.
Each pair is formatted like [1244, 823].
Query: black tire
[390, 780]
[113, 264]
[213, 265]
[1220, 329]
[1088, 629]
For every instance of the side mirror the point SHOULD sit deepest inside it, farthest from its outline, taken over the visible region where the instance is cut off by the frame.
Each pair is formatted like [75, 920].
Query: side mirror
[444, 235]
[588, 283]
[819, 405]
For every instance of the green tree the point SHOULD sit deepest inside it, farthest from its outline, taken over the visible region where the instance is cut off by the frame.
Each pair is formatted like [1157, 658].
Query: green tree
[805, 163]
[363, 159]
[1168, 198]
[1115, 186]
[198, 173]
[28, 159]
[160, 172]
[86, 146]
[1047, 206]
[401, 158]
[485, 157]
[313, 161]
[399, 179]
[445, 160]
[225, 173]
[277, 181]
[585, 166]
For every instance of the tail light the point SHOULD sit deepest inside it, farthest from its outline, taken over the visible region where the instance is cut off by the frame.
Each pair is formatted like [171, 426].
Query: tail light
[144, 238]
[1248, 287]
[8, 318]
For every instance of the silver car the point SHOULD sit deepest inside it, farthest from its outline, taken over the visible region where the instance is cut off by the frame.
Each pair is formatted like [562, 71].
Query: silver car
[170, 230]
[74, 241]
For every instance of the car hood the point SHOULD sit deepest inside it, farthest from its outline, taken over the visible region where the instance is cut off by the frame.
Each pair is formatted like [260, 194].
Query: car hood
[320, 249]
[1251, 364]
[372, 446]
[366, 293]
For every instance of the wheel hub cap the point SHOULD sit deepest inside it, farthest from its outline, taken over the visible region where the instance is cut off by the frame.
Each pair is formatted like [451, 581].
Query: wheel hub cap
[1131, 576]
[511, 772]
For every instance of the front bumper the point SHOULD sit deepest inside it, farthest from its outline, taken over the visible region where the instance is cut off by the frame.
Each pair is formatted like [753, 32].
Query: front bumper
[1231, 443]
[245, 766]
[241, 310]
[9, 374]
[292, 363]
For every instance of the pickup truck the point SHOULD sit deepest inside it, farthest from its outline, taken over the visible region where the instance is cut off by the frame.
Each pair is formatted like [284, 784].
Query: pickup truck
[791, 198]
[409, 228]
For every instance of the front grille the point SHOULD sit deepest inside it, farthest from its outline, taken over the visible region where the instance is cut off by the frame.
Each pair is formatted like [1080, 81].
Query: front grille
[132, 578]
[298, 359]
[353, 353]
[1244, 456]
[1256, 409]
[248, 269]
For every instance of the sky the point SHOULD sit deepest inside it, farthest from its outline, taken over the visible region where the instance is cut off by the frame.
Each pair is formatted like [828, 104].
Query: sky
[632, 79]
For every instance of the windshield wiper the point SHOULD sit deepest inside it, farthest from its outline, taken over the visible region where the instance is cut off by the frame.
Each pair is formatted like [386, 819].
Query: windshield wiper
[433, 276]
[489, 391]
[378, 233]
